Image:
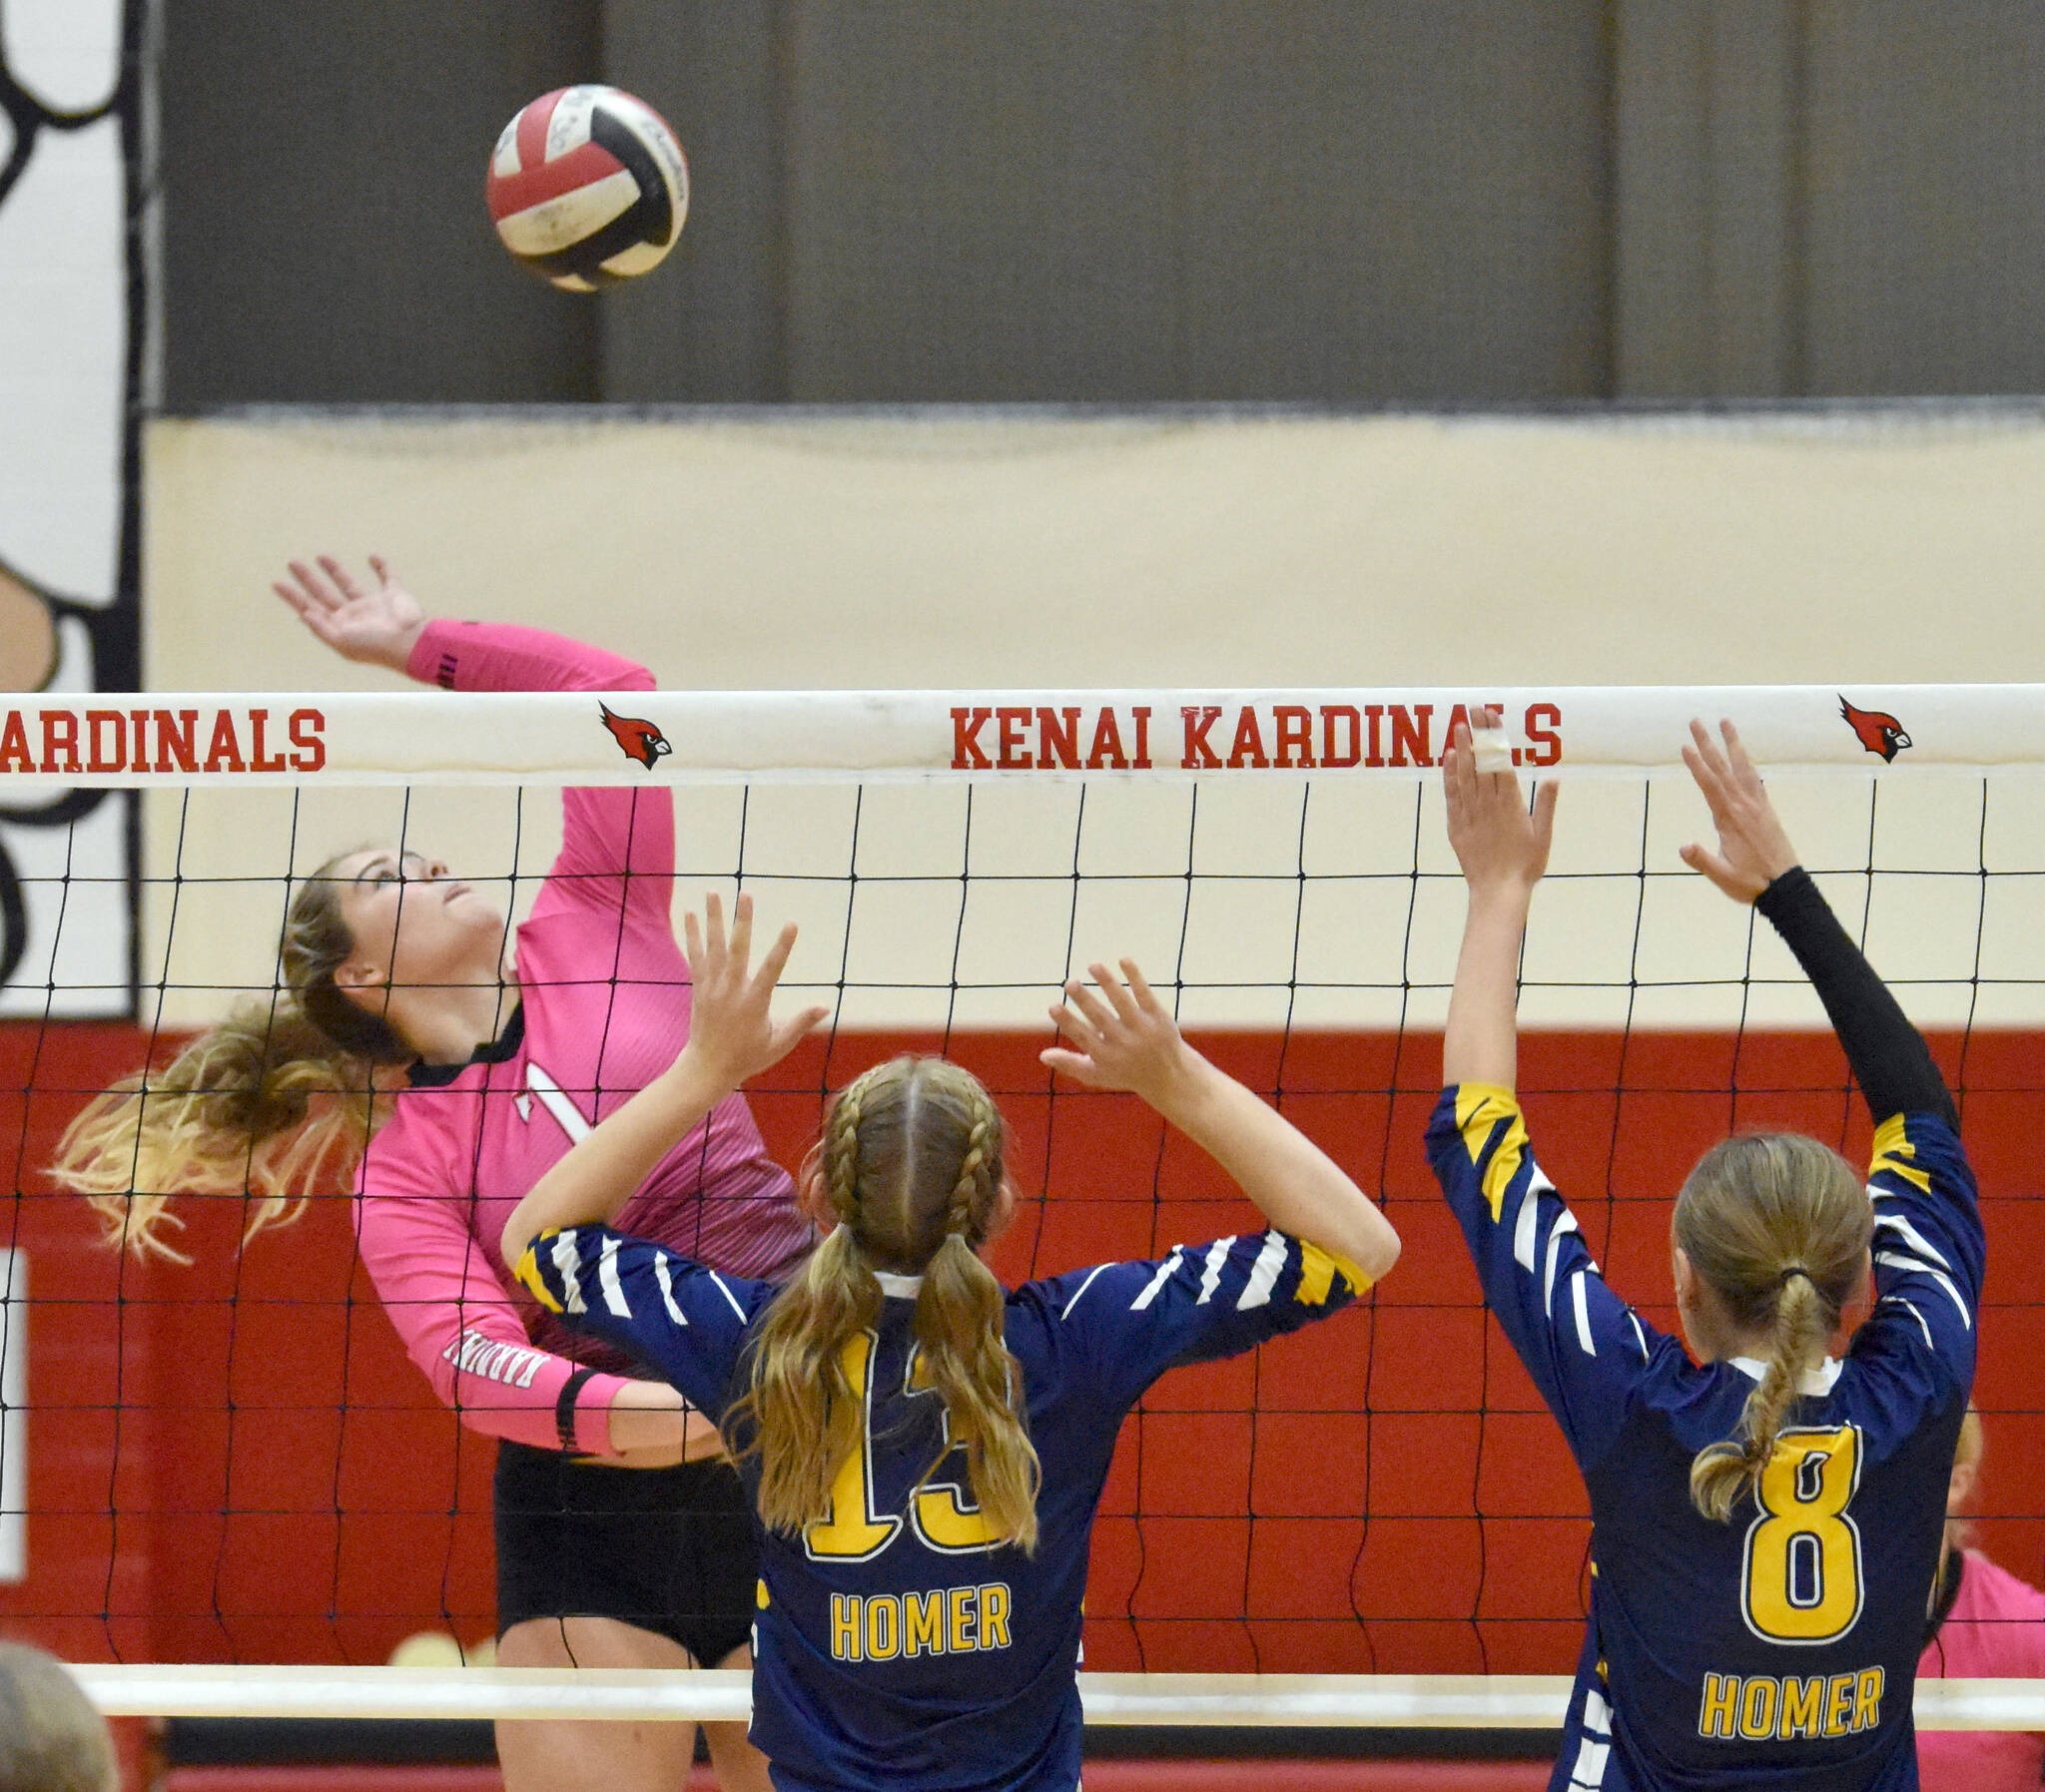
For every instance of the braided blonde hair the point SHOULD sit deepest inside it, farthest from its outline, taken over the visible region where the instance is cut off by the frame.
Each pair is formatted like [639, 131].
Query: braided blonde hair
[910, 1163]
[1777, 1227]
[273, 1101]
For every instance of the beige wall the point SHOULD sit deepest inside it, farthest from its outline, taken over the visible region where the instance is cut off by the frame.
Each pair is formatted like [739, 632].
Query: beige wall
[991, 549]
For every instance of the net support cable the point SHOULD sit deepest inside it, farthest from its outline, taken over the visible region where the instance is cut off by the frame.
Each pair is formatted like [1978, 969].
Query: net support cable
[762, 737]
[1220, 1701]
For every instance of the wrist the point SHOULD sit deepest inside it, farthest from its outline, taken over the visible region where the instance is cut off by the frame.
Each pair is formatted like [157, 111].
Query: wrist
[696, 1076]
[1179, 1089]
[396, 653]
[1503, 894]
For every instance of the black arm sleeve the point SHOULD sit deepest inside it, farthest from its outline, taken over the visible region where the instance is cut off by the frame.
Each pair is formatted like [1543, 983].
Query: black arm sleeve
[1890, 1060]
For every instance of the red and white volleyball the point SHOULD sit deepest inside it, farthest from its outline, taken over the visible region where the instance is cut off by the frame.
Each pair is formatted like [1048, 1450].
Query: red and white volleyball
[588, 186]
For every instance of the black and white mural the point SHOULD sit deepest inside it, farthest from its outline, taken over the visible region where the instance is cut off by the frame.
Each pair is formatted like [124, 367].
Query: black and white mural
[74, 313]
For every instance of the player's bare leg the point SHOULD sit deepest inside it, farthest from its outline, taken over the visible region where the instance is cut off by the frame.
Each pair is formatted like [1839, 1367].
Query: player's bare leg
[560, 1756]
[740, 1767]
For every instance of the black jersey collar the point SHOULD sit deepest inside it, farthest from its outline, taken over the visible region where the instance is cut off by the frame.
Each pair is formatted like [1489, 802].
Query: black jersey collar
[423, 1075]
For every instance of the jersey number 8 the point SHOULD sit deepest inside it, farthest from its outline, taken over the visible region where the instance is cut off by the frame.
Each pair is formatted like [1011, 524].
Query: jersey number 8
[1802, 1578]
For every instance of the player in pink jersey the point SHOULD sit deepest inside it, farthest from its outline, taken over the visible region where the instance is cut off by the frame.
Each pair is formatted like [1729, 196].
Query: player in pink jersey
[446, 1070]
[1985, 1624]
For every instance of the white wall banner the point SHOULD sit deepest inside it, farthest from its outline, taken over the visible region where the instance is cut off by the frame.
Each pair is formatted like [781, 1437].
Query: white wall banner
[72, 299]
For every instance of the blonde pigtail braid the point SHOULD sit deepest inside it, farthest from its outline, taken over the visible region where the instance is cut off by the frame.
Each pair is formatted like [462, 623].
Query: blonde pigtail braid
[911, 1164]
[958, 1319]
[799, 1353]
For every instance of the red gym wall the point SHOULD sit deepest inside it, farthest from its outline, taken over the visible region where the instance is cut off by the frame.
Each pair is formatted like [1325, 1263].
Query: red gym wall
[235, 1460]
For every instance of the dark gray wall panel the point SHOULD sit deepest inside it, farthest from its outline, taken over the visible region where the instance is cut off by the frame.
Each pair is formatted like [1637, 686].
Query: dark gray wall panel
[707, 327]
[325, 231]
[1317, 199]
[981, 199]
[1924, 234]
[1404, 198]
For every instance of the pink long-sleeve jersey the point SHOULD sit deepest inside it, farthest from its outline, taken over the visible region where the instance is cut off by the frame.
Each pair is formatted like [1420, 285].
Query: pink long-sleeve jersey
[603, 1008]
[1995, 1630]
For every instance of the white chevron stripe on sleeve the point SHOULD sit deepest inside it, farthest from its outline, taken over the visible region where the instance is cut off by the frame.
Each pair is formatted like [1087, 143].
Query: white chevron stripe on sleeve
[1163, 1275]
[1256, 1291]
[607, 1278]
[1211, 1276]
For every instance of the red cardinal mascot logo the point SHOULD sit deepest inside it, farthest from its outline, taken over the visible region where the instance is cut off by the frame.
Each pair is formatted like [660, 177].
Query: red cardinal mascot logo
[645, 743]
[1878, 731]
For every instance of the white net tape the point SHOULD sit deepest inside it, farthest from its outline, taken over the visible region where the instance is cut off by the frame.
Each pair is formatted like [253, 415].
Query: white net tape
[780, 736]
[1222, 1701]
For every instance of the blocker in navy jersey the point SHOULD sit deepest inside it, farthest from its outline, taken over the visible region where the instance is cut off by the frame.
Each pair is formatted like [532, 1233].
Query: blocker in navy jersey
[895, 1645]
[1777, 1649]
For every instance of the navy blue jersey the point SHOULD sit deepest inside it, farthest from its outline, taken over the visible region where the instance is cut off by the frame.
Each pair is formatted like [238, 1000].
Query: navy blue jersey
[1779, 1648]
[895, 1645]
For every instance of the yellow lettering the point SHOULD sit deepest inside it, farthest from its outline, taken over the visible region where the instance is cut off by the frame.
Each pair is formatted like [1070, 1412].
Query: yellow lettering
[922, 1624]
[1803, 1708]
[1758, 1708]
[994, 1616]
[845, 1628]
[884, 1627]
[1717, 1719]
[1867, 1699]
[963, 1615]
[1839, 1704]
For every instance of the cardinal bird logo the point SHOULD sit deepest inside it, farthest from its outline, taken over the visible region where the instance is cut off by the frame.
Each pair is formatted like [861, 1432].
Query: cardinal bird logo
[1878, 731]
[642, 741]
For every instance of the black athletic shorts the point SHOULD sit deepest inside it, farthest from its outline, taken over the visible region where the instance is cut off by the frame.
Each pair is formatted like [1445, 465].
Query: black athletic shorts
[668, 1550]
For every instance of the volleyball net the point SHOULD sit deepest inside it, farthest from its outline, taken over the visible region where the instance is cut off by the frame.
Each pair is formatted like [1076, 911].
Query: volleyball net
[222, 1479]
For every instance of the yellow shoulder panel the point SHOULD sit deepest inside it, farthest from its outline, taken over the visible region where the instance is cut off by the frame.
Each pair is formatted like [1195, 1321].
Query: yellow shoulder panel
[1479, 1107]
[1894, 1152]
[527, 1276]
[1317, 1272]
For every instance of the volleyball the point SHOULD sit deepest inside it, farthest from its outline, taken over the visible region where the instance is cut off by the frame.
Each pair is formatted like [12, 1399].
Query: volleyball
[588, 186]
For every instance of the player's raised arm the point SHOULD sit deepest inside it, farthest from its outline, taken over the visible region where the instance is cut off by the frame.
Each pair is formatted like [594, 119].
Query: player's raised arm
[1502, 846]
[1124, 1039]
[732, 1036]
[1754, 863]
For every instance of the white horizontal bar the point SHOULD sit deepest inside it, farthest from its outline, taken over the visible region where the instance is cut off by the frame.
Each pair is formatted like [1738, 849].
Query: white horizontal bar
[1222, 1701]
[555, 737]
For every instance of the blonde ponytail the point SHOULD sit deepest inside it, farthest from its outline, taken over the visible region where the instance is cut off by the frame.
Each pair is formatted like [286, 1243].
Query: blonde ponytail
[910, 1162]
[1722, 1473]
[1776, 1226]
[801, 1413]
[273, 1102]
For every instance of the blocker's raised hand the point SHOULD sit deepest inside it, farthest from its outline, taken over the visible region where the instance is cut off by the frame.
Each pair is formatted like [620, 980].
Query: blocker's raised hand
[732, 1033]
[1497, 840]
[1753, 849]
[1122, 1038]
[374, 627]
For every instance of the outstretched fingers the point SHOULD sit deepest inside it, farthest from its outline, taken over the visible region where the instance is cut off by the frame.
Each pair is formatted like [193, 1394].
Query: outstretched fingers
[1094, 1014]
[776, 960]
[344, 580]
[742, 934]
